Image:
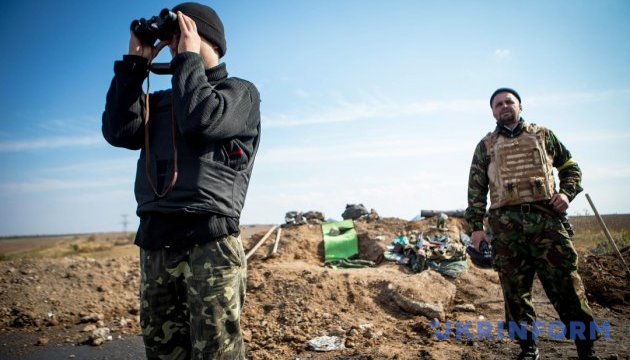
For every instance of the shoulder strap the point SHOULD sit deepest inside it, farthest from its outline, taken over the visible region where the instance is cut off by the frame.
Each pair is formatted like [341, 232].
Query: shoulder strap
[489, 140]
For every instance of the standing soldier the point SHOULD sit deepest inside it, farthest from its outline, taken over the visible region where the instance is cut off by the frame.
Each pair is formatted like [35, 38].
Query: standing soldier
[198, 141]
[515, 163]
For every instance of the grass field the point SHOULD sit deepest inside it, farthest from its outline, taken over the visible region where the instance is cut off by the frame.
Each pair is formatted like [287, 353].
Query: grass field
[589, 235]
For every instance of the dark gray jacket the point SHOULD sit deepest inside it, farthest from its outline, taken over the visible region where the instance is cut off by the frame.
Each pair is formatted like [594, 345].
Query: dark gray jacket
[217, 132]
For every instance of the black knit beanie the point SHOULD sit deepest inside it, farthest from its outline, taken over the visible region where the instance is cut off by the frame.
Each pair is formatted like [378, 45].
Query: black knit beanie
[500, 90]
[209, 26]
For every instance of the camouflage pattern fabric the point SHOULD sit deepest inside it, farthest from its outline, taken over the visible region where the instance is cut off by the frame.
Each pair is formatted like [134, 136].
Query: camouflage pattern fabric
[569, 174]
[450, 251]
[417, 262]
[191, 300]
[532, 243]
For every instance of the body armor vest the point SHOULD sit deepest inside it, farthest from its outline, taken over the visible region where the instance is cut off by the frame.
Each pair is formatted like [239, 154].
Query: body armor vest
[520, 169]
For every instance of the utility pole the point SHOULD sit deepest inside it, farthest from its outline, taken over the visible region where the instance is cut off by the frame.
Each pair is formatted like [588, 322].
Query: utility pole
[124, 224]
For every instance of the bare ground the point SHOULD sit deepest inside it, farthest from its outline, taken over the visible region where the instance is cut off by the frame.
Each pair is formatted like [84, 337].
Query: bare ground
[291, 299]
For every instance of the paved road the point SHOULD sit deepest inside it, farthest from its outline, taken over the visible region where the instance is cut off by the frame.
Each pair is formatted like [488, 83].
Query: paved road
[130, 347]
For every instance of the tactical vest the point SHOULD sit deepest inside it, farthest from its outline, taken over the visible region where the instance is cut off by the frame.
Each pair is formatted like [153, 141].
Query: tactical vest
[520, 169]
[205, 182]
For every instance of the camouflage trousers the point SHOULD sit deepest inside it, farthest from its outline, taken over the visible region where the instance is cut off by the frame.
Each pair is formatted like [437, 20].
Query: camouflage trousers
[191, 300]
[529, 243]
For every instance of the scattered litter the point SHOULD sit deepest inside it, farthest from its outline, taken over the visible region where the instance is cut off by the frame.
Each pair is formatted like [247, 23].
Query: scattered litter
[354, 211]
[99, 336]
[293, 218]
[465, 308]
[359, 211]
[433, 248]
[326, 343]
[334, 231]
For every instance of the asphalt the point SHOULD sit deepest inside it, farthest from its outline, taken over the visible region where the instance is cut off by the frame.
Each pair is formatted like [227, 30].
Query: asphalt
[130, 347]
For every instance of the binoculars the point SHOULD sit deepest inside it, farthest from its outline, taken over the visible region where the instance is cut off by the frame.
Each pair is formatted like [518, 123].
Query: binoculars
[161, 27]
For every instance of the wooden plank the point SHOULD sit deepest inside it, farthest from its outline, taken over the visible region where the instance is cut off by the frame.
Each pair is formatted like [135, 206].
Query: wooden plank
[251, 252]
[275, 245]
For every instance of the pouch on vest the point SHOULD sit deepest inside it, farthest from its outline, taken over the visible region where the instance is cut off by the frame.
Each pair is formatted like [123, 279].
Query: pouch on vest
[511, 190]
[538, 187]
[237, 158]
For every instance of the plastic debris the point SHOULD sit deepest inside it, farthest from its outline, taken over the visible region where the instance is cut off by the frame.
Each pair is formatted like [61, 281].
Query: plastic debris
[326, 343]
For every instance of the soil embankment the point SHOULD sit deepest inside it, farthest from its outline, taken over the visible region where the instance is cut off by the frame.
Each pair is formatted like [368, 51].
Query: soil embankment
[50, 306]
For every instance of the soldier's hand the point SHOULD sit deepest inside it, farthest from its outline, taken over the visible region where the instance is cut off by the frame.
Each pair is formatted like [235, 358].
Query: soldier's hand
[136, 47]
[189, 39]
[477, 237]
[559, 202]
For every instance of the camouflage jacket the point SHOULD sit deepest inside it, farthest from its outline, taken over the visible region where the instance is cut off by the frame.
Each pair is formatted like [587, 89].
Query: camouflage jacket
[569, 174]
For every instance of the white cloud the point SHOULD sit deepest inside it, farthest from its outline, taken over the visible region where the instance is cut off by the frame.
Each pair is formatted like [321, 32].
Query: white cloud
[363, 148]
[382, 107]
[302, 93]
[606, 172]
[344, 111]
[596, 136]
[106, 166]
[401, 194]
[502, 53]
[49, 143]
[79, 124]
[575, 97]
[46, 185]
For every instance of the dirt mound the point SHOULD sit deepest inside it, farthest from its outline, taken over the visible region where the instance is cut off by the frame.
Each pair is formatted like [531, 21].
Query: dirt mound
[302, 243]
[605, 278]
[292, 298]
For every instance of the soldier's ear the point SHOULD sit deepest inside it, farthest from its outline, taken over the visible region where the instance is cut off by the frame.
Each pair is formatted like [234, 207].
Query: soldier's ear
[520, 107]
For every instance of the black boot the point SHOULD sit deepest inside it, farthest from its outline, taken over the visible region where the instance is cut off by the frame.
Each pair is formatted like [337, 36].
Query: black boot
[585, 350]
[529, 351]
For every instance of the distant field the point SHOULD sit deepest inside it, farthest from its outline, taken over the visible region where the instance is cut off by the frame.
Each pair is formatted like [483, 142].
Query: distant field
[589, 237]
[64, 245]
[97, 245]
[614, 222]
[17, 244]
[589, 234]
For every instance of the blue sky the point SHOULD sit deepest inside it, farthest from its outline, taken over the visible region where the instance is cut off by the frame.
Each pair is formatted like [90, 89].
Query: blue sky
[372, 102]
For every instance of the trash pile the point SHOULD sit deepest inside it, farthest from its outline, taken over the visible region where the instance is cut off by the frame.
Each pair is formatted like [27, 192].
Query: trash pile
[432, 248]
[359, 211]
[293, 218]
[341, 246]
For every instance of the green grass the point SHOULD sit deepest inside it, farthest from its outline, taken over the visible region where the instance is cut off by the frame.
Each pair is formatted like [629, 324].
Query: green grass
[590, 237]
[603, 246]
